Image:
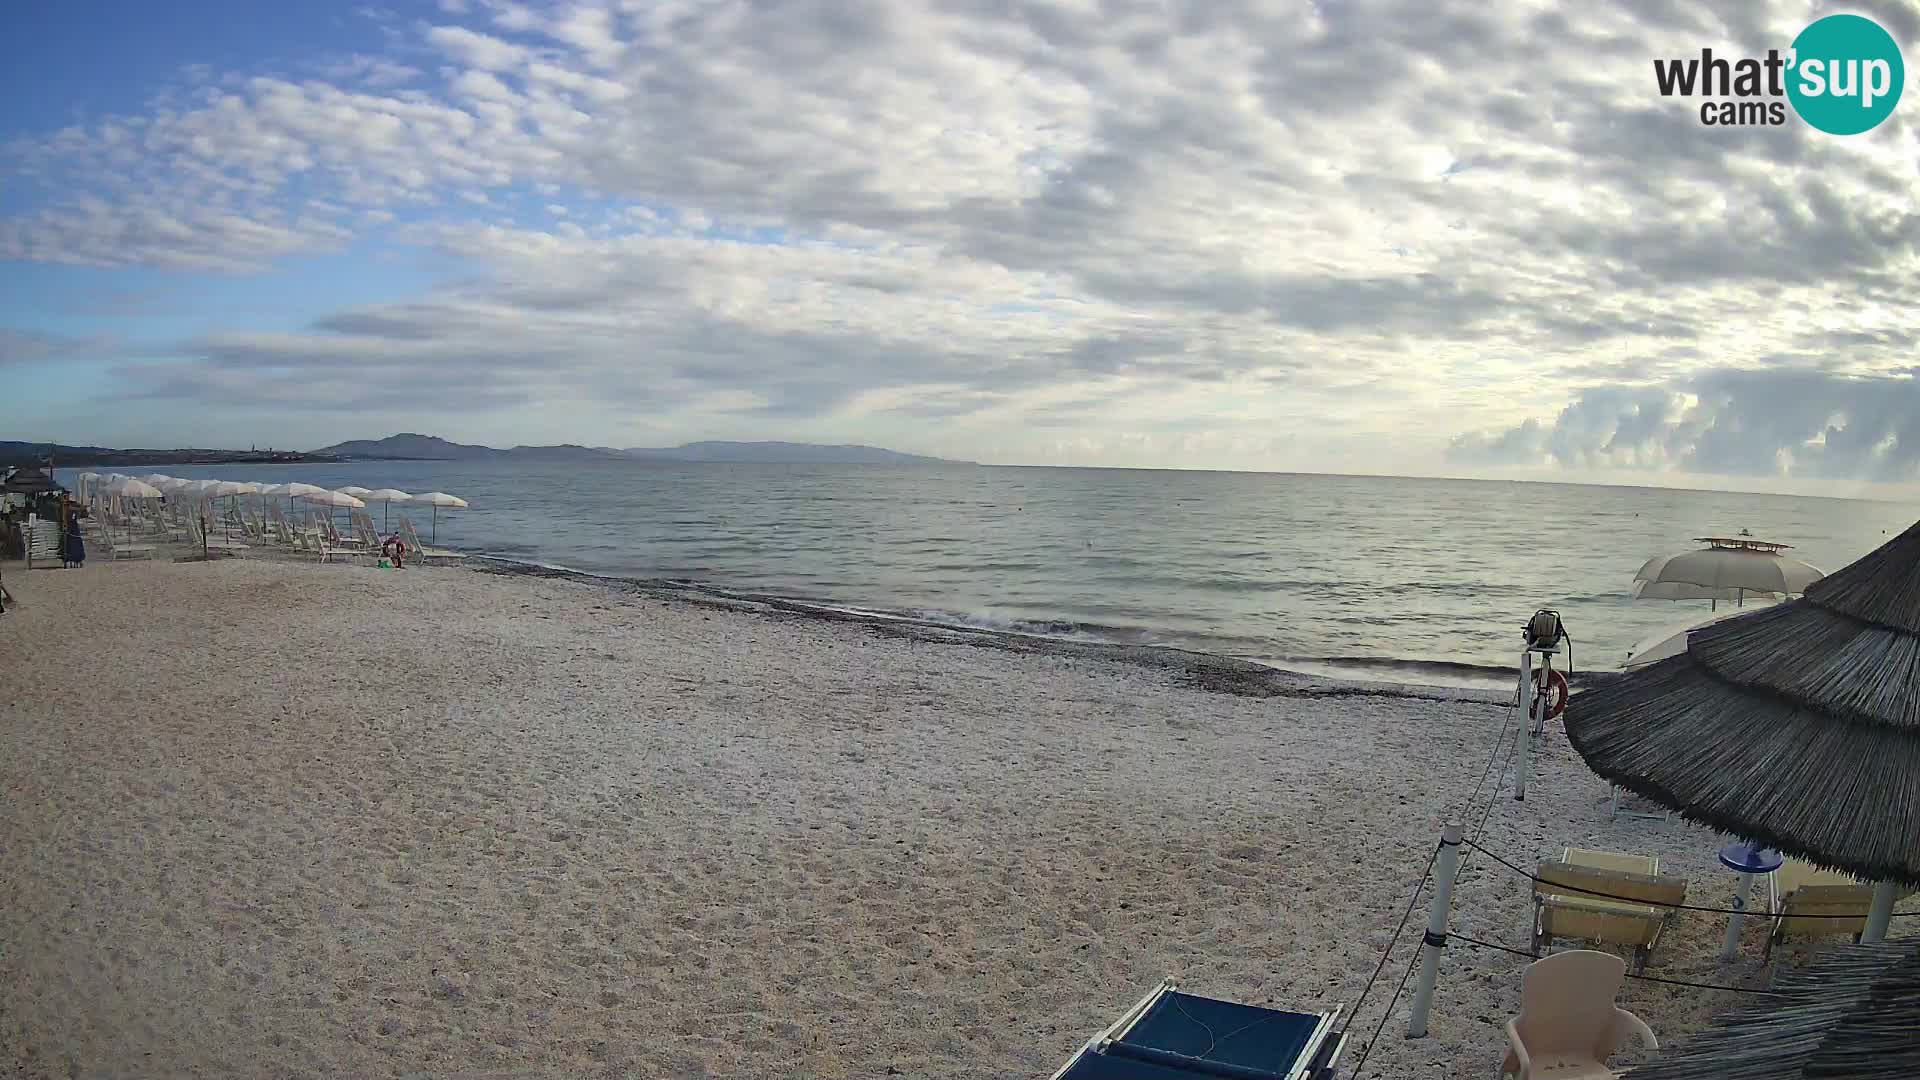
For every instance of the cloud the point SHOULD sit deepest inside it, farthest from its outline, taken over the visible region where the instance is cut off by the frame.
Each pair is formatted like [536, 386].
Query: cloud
[1375, 223]
[35, 346]
[1794, 423]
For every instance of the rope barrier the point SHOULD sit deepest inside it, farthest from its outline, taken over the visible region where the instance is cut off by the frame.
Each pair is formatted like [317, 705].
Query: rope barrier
[1559, 887]
[1418, 888]
[1385, 1015]
[1643, 978]
[1499, 741]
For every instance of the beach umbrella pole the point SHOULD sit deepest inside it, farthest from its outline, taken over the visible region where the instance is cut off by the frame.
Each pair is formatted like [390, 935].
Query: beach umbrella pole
[1881, 913]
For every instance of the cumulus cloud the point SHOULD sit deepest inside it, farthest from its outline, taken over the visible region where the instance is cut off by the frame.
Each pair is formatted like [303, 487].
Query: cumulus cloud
[1783, 422]
[1374, 223]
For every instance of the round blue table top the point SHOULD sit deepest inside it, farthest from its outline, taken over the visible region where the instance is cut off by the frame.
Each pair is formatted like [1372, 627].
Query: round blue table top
[1742, 857]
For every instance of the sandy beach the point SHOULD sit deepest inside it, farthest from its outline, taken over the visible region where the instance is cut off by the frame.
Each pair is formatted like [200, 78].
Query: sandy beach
[281, 819]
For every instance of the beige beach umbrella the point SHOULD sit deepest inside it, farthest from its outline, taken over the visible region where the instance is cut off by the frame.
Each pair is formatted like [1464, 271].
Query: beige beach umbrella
[295, 490]
[386, 497]
[129, 488]
[356, 492]
[324, 497]
[230, 490]
[438, 499]
[330, 499]
[1737, 564]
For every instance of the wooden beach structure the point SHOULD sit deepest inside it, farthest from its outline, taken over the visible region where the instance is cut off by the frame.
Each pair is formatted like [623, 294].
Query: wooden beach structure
[1796, 726]
[1851, 1012]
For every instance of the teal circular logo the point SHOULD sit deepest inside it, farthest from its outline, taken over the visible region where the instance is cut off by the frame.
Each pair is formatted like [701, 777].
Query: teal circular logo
[1846, 74]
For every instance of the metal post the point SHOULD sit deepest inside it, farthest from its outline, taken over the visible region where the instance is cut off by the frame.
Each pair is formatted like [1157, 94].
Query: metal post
[1524, 768]
[1731, 946]
[1445, 867]
[1881, 913]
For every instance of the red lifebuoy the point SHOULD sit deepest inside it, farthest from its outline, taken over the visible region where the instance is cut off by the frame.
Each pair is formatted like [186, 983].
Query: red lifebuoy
[1556, 691]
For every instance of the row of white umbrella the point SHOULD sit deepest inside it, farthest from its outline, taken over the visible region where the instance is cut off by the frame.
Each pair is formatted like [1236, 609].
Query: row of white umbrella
[160, 485]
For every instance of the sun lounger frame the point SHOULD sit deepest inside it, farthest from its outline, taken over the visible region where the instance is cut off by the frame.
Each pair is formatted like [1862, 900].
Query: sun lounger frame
[1557, 889]
[1319, 1053]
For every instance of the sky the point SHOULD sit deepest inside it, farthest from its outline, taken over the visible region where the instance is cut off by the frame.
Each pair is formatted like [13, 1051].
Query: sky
[1380, 236]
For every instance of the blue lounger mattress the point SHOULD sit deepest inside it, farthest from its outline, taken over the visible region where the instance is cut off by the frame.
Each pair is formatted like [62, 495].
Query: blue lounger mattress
[1176, 1036]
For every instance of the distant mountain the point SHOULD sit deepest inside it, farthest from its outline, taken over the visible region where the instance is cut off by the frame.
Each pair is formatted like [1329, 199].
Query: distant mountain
[411, 447]
[786, 453]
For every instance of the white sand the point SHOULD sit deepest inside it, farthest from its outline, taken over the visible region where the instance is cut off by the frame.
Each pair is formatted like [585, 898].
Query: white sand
[268, 818]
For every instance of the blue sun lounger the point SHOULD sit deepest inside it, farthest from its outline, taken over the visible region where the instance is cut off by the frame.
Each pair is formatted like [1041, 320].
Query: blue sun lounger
[1169, 1035]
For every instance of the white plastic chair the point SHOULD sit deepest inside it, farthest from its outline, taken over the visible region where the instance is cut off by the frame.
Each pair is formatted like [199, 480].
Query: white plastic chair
[1568, 1024]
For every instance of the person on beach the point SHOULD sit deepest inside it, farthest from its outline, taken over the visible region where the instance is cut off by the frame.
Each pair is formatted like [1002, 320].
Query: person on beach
[396, 549]
[73, 547]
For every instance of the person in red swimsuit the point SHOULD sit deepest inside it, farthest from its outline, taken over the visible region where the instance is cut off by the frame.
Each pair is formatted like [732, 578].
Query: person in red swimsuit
[395, 549]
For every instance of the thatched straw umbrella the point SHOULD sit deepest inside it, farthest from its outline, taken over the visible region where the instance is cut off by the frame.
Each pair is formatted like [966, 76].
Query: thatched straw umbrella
[1851, 1012]
[1797, 726]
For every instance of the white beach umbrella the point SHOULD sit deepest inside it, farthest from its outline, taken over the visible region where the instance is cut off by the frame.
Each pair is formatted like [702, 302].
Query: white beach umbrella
[1670, 642]
[1746, 566]
[230, 489]
[438, 499]
[129, 488]
[1680, 590]
[156, 479]
[323, 497]
[295, 490]
[387, 497]
[356, 492]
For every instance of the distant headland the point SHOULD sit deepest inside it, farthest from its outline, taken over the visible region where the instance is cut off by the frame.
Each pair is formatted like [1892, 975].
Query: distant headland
[408, 446]
[13, 452]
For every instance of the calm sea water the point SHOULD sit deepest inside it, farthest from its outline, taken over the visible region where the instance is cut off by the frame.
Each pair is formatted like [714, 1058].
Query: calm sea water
[1381, 577]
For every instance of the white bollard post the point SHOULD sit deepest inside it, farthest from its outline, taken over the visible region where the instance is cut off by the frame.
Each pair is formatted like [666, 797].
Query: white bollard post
[1524, 768]
[1445, 867]
[1881, 913]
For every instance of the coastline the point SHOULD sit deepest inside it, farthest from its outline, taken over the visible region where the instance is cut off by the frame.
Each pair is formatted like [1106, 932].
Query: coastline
[269, 815]
[1212, 671]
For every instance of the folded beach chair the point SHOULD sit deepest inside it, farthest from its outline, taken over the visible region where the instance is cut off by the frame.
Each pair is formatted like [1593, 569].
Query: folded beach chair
[420, 550]
[1169, 1035]
[1797, 891]
[1565, 904]
[1568, 1024]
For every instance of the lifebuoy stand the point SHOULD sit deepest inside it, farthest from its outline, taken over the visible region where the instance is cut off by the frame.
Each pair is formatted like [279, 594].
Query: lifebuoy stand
[1536, 692]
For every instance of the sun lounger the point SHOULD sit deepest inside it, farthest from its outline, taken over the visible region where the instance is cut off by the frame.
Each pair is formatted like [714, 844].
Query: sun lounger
[1797, 891]
[1169, 1035]
[1564, 905]
[419, 550]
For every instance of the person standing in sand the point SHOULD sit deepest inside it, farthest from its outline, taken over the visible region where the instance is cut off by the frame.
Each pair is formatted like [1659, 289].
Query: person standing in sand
[73, 546]
[396, 549]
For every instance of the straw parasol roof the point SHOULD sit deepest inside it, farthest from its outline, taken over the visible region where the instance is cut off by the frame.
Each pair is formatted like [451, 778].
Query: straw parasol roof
[1797, 725]
[1851, 1012]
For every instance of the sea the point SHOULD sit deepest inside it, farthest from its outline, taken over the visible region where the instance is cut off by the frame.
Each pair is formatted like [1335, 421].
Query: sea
[1409, 580]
